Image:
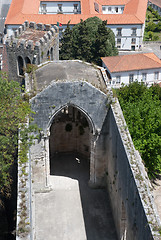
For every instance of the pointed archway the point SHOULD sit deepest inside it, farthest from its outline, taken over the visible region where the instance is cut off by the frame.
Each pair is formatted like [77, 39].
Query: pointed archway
[71, 134]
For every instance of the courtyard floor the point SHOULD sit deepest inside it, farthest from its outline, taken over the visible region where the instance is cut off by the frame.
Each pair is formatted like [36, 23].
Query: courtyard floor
[72, 210]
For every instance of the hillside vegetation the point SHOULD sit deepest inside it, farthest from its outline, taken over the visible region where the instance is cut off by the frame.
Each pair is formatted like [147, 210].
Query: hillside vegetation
[142, 111]
[152, 25]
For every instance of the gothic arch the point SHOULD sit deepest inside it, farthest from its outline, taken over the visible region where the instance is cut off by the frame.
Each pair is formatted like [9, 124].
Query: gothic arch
[81, 139]
[80, 109]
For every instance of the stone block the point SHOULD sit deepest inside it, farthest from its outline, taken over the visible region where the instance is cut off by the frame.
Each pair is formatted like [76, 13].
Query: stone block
[42, 41]
[40, 26]
[56, 28]
[37, 45]
[20, 30]
[49, 34]
[46, 37]
[30, 44]
[23, 27]
[32, 25]
[26, 23]
[47, 27]
[52, 30]
[22, 43]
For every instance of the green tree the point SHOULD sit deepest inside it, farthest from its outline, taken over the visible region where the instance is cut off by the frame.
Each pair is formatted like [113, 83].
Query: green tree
[82, 44]
[13, 113]
[151, 26]
[105, 43]
[91, 39]
[142, 110]
[66, 43]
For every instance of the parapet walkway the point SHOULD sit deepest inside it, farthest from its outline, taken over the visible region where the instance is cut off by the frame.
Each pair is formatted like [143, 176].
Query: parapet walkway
[72, 210]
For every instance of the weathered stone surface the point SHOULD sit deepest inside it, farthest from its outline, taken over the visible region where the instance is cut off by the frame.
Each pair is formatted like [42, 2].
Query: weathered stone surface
[24, 45]
[113, 160]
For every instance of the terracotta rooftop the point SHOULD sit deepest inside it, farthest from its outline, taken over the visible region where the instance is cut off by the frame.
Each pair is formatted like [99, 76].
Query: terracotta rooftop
[22, 10]
[132, 62]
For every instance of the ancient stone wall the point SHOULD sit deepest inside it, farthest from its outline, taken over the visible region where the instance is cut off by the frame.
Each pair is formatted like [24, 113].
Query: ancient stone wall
[23, 48]
[127, 182]
[114, 162]
[54, 98]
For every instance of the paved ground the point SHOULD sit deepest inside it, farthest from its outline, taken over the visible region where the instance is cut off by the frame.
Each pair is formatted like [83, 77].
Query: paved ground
[73, 211]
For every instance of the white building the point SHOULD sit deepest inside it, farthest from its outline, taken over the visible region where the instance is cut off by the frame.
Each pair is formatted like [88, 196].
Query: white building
[125, 17]
[125, 69]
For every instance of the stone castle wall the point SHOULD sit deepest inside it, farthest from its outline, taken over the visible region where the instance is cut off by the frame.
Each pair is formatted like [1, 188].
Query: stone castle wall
[21, 51]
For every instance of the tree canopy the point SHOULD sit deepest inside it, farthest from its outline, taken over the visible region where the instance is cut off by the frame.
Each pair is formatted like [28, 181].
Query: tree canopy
[13, 112]
[142, 111]
[88, 40]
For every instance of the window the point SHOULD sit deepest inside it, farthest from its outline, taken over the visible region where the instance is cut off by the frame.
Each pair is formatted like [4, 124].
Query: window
[119, 41]
[133, 32]
[119, 31]
[103, 8]
[122, 9]
[133, 48]
[131, 78]
[118, 79]
[96, 6]
[43, 8]
[109, 9]
[156, 75]
[75, 8]
[59, 7]
[144, 76]
[116, 9]
[133, 41]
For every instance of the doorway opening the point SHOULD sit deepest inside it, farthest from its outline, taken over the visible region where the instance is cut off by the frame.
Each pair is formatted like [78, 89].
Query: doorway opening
[70, 142]
[20, 66]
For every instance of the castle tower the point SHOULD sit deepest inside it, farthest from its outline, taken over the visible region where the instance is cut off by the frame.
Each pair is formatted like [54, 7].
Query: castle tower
[31, 44]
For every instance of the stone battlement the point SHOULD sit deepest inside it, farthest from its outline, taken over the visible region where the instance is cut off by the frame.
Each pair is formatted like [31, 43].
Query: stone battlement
[31, 44]
[32, 36]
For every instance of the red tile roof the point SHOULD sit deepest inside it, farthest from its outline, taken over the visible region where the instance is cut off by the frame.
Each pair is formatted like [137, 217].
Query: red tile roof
[132, 62]
[22, 10]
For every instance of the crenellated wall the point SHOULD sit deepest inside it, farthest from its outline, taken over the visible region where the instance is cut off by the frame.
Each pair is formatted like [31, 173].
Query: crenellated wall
[32, 43]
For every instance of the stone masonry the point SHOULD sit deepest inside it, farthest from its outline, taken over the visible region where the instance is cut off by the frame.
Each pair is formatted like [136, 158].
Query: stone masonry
[68, 92]
[31, 44]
